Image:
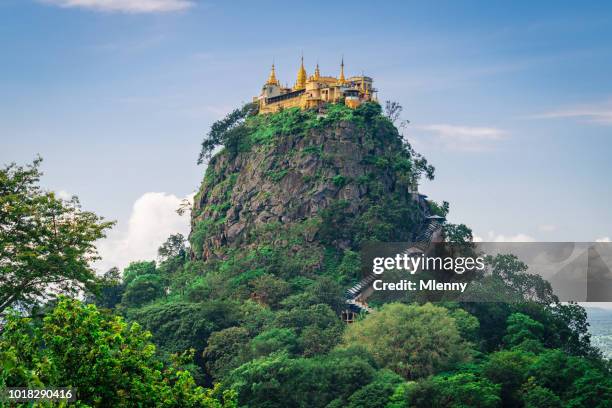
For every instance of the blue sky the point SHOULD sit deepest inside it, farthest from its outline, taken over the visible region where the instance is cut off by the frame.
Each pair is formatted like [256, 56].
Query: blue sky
[511, 101]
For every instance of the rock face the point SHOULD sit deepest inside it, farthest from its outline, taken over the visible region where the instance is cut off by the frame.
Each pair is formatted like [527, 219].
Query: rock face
[344, 167]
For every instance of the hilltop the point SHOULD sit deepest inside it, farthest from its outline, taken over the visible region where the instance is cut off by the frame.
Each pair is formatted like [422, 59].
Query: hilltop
[308, 187]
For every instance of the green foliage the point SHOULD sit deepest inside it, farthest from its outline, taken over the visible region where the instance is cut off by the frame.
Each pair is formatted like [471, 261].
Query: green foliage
[377, 393]
[46, 243]
[467, 324]
[535, 396]
[339, 180]
[179, 326]
[110, 290]
[281, 381]
[226, 350]
[522, 328]
[457, 233]
[143, 289]
[291, 121]
[174, 247]
[568, 322]
[227, 131]
[110, 362]
[277, 175]
[414, 341]
[449, 391]
[313, 150]
[269, 289]
[199, 234]
[437, 209]
[392, 219]
[509, 369]
[512, 272]
[318, 327]
[273, 340]
[593, 389]
[139, 268]
[349, 268]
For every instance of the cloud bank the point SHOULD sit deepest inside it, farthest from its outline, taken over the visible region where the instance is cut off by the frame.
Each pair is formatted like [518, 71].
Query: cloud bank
[494, 237]
[125, 6]
[152, 221]
[594, 113]
[462, 138]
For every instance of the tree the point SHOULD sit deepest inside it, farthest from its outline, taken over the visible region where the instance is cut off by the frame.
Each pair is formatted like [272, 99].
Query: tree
[414, 341]
[327, 291]
[281, 381]
[110, 292]
[571, 327]
[509, 369]
[109, 362]
[457, 233]
[143, 289]
[226, 350]
[467, 324]
[593, 390]
[393, 110]
[173, 258]
[173, 247]
[178, 326]
[46, 243]
[521, 328]
[513, 272]
[377, 393]
[138, 268]
[269, 290]
[535, 396]
[227, 131]
[273, 340]
[449, 391]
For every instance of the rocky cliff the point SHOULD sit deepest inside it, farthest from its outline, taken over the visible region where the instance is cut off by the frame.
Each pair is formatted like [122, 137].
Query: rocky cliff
[332, 178]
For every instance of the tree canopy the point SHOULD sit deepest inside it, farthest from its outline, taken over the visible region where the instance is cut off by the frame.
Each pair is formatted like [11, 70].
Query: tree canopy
[46, 242]
[108, 361]
[414, 341]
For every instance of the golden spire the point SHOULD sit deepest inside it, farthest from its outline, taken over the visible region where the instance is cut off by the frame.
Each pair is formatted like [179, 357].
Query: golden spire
[301, 77]
[317, 74]
[342, 80]
[272, 78]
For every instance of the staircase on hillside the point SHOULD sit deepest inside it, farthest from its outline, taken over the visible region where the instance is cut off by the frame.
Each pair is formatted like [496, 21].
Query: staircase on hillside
[356, 303]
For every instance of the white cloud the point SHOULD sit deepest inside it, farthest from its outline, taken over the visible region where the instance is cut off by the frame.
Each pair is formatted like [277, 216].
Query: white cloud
[603, 239]
[514, 238]
[463, 138]
[126, 6]
[595, 113]
[152, 220]
[493, 237]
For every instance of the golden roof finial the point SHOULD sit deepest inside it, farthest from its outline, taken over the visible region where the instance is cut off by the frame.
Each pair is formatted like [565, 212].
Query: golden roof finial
[272, 78]
[301, 77]
[342, 80]
[317, 74]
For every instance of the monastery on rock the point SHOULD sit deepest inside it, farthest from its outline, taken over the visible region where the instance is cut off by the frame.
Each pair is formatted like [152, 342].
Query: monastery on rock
[314, 91]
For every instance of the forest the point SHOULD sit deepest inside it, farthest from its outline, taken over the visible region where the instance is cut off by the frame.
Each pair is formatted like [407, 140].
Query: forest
[245, 312]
